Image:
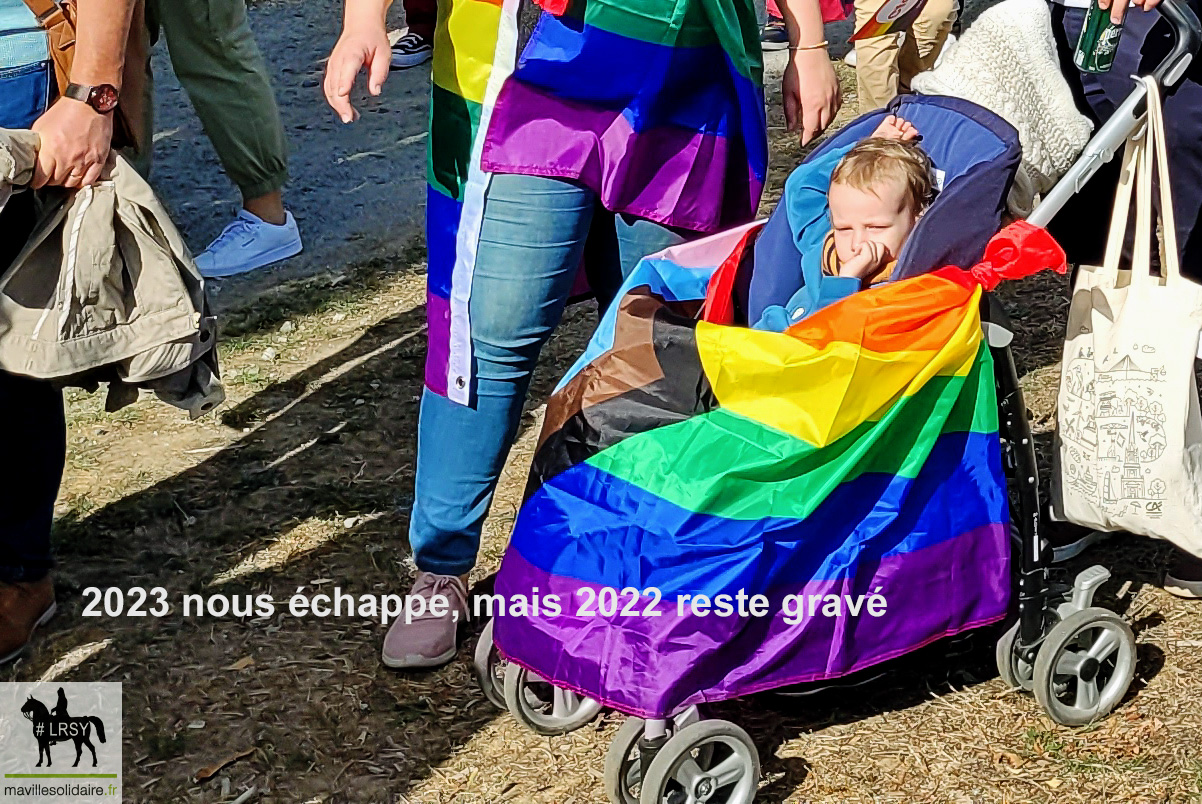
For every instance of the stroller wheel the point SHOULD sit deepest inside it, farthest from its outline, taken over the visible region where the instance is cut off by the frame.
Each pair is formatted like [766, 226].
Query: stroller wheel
[1016, 673]
[623, 767]
[623, 771]
[1084, 666]
[711, 761]
[490, 668]
[544, 708]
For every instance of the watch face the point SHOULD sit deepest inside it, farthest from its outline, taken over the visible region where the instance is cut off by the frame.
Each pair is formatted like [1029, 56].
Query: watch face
[103, 98]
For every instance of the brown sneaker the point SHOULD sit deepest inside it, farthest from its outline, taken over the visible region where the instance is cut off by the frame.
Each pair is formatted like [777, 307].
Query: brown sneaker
[1185, 578]
[429, 640]
[23, 607]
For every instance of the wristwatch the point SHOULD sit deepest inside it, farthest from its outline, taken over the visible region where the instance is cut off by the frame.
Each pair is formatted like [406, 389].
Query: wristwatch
[103, 97]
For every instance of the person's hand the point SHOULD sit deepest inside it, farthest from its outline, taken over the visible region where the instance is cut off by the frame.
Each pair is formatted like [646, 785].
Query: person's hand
[361, 47]
[895, 128]
[1118, 8]
[868, 261]
[75, 145]
[811, 94]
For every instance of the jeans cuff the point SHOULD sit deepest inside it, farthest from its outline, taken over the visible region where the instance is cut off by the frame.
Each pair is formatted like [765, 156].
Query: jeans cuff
[447, 568]
[24, 574]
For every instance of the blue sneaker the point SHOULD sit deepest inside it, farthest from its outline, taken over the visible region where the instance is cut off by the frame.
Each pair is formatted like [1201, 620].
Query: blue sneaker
[249, 242]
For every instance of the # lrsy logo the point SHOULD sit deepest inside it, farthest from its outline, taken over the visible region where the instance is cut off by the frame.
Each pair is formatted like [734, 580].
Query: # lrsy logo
[60, 742]
[56, 725]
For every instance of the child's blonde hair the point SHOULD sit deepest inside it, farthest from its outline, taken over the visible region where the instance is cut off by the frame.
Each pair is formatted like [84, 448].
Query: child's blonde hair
[877, 159]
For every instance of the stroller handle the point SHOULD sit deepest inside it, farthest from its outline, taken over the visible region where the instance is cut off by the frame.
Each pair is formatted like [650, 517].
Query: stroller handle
[1188, 34]
[1128, 118]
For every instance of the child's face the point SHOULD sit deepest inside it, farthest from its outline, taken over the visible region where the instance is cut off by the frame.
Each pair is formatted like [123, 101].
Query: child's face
[859, 216]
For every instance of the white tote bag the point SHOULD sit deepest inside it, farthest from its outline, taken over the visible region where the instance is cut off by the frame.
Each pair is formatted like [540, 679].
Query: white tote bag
[1129, 432]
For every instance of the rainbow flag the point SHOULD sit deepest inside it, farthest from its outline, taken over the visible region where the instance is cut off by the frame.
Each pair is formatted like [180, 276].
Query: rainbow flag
[474, 50]
[891, 17]
[855, 455]
[657, 104]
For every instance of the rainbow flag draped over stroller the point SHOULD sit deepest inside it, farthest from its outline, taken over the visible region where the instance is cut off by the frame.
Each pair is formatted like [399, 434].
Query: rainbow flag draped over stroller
[856, 454]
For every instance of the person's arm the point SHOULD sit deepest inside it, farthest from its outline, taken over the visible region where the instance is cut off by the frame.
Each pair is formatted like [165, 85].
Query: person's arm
[363, 44]
[75, 139]
[810, 89]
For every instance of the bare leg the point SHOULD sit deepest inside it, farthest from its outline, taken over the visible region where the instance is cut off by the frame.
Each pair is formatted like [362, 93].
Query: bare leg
[269, 207]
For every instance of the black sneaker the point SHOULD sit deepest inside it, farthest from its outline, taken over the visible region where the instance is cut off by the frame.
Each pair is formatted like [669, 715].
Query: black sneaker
[1069, 540]
[1185, 578]
[774, 36]
[410, 51]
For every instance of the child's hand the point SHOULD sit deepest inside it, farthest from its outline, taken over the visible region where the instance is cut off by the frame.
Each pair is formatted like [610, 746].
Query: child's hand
[895, 128]
[868, 261]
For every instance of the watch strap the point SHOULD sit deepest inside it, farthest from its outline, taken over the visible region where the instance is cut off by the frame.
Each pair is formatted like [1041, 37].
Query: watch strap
[79, 92]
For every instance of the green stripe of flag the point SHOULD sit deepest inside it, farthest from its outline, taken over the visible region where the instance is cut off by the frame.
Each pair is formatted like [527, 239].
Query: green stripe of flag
[727, 465]
[453, 124]
[702, 23]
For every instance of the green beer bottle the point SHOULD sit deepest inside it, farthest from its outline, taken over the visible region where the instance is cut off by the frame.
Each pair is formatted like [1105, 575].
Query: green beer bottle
[1099, 40]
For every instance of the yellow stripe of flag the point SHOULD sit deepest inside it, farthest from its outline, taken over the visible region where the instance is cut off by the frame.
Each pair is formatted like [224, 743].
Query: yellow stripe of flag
[464, 45]
[819, 394]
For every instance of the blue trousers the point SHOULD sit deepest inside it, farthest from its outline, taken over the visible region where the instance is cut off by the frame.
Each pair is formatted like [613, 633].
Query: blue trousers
[35, 432]
[1147, 39]
[534, 233]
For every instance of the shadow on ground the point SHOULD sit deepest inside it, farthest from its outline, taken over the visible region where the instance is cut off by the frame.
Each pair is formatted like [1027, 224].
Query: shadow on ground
[316, 493]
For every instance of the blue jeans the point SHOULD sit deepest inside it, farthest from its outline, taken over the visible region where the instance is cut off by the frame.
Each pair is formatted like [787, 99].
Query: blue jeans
[534, 233]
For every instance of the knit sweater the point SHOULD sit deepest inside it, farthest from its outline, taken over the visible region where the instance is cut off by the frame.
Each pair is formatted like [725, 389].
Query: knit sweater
[1006, 61]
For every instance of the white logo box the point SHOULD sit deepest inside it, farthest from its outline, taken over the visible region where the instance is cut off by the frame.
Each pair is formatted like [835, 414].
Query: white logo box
[41, 729]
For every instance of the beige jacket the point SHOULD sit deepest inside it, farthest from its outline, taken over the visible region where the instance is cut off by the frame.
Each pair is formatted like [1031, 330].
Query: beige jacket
[105, 291]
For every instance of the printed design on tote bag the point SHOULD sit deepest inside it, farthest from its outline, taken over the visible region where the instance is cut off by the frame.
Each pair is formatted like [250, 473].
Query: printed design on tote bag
[1112, 425]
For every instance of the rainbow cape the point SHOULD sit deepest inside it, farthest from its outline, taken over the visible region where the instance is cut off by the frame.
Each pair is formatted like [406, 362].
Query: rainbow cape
[658, 105]
[857, 453]
[474, 50]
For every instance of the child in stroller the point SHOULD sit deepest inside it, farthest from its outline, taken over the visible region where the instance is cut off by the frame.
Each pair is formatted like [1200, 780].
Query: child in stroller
[653, 368]
[878, 191]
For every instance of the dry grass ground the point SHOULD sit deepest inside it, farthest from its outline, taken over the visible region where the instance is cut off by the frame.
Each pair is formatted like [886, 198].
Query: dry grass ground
[304, 479]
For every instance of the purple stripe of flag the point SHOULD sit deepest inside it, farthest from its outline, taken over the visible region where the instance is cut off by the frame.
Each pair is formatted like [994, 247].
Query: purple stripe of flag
[654, 666]
[438, 342]
[678, 179]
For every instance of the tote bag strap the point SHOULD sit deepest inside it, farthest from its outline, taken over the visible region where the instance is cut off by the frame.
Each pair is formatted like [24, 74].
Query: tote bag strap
[1145, 236]
[1157, 155]
[1145, 164]
[1122, 207]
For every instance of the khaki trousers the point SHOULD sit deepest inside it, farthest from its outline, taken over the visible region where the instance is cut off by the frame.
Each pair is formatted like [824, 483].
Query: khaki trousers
[885, 65]
[219, 65]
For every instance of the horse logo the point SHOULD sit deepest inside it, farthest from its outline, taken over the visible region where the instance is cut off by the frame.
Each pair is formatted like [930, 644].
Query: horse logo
[59, 727]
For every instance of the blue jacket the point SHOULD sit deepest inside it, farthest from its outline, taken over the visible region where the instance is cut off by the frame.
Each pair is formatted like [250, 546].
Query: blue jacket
[787, 282]
[818, 289]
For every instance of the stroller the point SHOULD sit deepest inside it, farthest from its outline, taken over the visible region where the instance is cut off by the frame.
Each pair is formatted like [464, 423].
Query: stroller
[1076, 658]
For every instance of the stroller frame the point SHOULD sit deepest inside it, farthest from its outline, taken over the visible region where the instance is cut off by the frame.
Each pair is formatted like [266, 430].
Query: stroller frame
[1036, 592]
